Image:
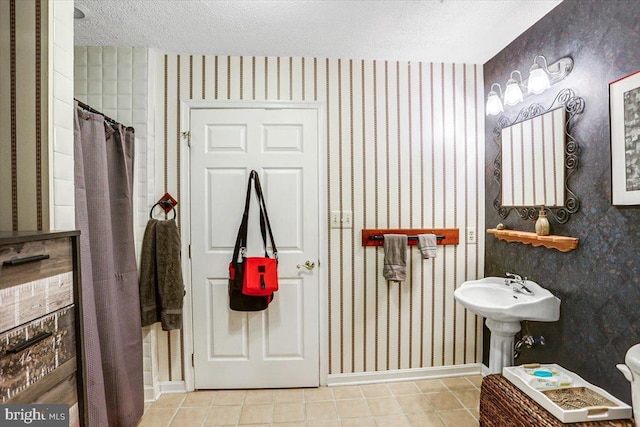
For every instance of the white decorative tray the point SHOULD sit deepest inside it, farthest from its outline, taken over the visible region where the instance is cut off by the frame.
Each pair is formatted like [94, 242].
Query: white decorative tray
[565, 394]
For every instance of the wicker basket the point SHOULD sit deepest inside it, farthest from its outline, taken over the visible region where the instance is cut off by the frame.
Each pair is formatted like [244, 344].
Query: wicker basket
[502, 404]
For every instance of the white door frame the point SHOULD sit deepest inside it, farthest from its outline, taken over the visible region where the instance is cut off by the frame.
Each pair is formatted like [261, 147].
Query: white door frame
[185, 217]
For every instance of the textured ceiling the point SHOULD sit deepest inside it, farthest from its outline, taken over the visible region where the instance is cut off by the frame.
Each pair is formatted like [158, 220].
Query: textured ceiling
[471, 31]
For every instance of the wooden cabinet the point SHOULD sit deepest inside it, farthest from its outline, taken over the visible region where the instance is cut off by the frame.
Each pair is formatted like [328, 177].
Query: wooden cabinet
[40, 321]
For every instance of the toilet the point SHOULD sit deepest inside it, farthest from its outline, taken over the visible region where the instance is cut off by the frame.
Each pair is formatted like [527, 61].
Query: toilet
[631, 370]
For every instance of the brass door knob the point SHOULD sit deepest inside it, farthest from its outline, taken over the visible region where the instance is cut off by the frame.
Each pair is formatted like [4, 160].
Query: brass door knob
[309, 265]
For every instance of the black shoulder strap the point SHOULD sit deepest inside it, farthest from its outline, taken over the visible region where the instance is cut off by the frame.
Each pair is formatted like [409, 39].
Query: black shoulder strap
[241, 238]
[265, 225]
[264, 219]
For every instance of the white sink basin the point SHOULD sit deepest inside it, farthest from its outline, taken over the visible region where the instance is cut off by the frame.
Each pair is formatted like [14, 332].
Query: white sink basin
[491, 298]
[505, 303]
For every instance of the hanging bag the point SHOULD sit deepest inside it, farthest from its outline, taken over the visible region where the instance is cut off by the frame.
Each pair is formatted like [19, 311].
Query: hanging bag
[253, 280]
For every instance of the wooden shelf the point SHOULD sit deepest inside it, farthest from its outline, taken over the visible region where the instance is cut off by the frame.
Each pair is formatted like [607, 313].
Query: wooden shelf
[561, 243]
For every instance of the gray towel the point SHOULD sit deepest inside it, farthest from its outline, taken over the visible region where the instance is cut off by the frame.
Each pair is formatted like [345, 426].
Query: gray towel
[427, 243]
[147, 282]
[161, 285]
[395, 257]
[169, 273]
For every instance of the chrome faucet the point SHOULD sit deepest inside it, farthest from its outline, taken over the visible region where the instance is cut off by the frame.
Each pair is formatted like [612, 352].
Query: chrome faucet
[518, 280]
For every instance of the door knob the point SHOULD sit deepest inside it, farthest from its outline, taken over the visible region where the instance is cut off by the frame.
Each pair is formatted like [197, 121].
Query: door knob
[309, 265]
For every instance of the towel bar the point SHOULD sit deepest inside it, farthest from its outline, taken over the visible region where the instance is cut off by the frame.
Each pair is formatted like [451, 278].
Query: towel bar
[444, 236]
[409, 238]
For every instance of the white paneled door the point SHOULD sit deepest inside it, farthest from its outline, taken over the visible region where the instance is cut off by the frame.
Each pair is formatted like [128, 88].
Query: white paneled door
[278, 347]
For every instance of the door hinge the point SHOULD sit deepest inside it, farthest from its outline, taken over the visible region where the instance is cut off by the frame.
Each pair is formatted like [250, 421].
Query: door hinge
[189, 251]
[187, 135]
[192, 361]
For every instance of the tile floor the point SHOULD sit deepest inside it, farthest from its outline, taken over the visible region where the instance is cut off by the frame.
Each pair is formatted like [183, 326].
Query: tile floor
[449, 402]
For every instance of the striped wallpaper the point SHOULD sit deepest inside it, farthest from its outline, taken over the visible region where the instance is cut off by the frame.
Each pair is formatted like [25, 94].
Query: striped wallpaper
[405, 149]
[24, 176]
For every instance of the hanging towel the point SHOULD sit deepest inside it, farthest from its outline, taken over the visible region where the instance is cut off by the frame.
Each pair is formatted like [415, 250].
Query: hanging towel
[147, 281]
[161, 285]
[169, 273]
[427, 243]
[395, 257]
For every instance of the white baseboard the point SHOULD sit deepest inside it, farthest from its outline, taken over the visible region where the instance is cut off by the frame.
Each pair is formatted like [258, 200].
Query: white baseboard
[485, 370]
[354, 378]
[404, 374]
[172, 387]
[150, 394]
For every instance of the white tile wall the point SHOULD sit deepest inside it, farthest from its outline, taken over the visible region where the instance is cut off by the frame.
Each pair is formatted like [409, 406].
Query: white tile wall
[116, 81]
[106, 78]
[62, 202]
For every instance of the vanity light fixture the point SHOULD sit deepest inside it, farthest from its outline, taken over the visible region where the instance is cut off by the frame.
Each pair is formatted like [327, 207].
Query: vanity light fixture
[494, 104]
[513, 92]
[541, 78]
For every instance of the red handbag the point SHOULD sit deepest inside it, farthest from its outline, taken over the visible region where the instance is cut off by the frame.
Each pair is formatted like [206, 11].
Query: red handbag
[260, 276]
[253, 280]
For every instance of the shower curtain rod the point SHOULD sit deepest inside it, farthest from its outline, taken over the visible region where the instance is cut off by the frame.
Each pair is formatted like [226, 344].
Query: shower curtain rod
[107, 118]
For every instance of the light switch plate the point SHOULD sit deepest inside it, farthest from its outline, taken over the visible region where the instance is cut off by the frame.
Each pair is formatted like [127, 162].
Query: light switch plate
[342, 219]
[347, 219]
[336, 221]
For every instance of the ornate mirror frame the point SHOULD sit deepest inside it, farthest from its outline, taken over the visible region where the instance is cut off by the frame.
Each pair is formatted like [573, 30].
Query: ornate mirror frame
[573, 106]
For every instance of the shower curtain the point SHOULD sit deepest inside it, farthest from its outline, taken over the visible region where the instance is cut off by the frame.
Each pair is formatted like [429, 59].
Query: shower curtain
[110, 298]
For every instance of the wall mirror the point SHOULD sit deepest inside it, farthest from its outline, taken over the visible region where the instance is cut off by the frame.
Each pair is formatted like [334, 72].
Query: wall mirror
[537, 156]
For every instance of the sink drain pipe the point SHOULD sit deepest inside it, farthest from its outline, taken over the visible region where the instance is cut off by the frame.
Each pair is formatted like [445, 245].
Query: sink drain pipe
[526, 341]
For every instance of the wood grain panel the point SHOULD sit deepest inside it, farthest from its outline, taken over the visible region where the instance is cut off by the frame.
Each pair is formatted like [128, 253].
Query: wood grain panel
[63, 392]
[39, 392]
[60, 261]
[23, 303]
[23, 368]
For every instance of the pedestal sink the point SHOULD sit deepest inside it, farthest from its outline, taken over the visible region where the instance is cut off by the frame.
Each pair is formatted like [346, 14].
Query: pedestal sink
[505, 302]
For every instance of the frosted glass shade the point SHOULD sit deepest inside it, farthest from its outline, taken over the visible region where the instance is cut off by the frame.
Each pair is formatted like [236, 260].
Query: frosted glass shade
[494, 105]
[513, 94]
[538, 80]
